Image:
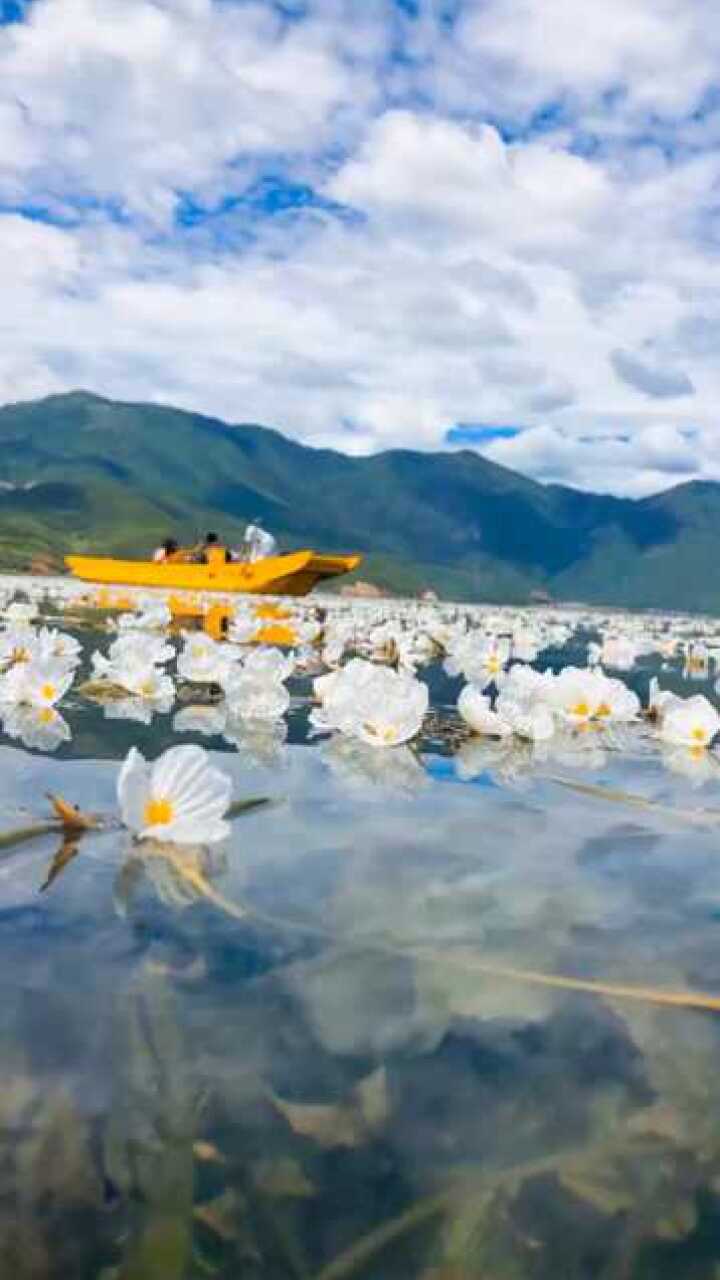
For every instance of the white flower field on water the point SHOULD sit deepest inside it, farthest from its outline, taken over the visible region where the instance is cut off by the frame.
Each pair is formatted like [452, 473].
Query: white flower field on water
[391, 951]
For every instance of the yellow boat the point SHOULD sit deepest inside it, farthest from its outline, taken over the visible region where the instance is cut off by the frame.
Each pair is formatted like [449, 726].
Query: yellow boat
[288, 575]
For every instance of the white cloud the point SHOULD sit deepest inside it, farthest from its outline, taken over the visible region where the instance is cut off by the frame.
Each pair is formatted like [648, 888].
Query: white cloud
[568, 290]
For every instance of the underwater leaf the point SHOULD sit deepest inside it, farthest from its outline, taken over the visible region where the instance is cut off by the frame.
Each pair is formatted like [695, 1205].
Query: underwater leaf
[223, 1215]
[373, 1103]
[602, 1186]
[284, 1178]
[326, 1124]
[344, 1124]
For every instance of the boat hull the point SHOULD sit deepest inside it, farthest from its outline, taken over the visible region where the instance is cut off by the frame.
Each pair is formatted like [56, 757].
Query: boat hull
[293, 575]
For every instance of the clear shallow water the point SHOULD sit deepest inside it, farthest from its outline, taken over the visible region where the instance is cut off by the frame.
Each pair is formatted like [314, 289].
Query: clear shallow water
[316, 1064]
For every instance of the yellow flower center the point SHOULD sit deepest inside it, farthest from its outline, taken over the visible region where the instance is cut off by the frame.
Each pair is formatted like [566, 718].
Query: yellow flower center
[46, 716]
[48, 692]
[19, 655]
[603, 711]
[387, 734]
[158, 811]
[147, 688]
[493, 664]
[698, 734]
[580, 709]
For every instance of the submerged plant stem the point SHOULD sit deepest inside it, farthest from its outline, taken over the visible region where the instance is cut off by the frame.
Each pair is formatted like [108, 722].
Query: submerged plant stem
[649, 995]
[357, 1254]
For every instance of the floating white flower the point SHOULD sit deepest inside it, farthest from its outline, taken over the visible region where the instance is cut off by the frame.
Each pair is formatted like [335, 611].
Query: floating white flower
[52, 644]
[202, 660]
[579, 696]
[17, 644]
[381, 707]
[690, 722]
[147, 682]
[481, 660]
[35, 683]
[21, 611]
[618, 651]
[243, 626]
[474, 708]
[38, 728]
[179, 798]
[253, 699]
[269, 664]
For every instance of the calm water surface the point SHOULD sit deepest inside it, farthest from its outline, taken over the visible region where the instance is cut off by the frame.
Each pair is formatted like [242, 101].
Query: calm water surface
[302, 1054]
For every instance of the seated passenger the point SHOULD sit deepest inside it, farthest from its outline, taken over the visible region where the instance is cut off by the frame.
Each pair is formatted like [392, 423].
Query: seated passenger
[166, 551]
[213, 552]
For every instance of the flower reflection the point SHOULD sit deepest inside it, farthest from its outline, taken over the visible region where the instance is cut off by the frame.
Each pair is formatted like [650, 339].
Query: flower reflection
[360, 765]
[38, 728]
[261, 742]
[130, 709]
[695, 764]
[206, 718]
[180, 876]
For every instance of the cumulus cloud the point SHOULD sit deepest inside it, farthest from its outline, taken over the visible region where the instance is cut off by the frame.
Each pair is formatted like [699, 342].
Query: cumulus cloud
[655, 380]
[364, 226]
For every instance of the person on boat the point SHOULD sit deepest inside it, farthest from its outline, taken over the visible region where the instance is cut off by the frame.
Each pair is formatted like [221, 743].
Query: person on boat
[258, 544]
[166, 551]
[213, 552]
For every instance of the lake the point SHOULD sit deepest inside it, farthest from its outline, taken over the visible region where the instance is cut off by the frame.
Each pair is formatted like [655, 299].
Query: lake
[412, 1021]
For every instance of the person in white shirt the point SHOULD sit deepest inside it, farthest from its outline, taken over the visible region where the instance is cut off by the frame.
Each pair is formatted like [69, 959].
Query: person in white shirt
[258, 544]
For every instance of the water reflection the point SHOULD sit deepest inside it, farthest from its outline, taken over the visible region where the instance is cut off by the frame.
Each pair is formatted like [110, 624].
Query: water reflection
[327, 1047]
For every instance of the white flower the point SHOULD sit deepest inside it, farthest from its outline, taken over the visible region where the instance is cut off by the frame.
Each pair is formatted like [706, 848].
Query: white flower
[474, 707]
[17, 644]
[202, 660]
[179, 798]
[253, 699]
[578, 696]
[690, 722]
[35, 683]
[481, 660]
[243, 627]
[145, 682]
[381, 707]
[146, 650]
[56, 645]
[38, 728]
[619, 652]
[269, 664]
[21, 611]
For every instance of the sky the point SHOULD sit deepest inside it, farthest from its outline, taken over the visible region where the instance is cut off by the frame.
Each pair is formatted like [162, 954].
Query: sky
[484, 224]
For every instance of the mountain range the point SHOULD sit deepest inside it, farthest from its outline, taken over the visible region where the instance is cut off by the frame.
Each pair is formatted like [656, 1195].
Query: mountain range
[80, 472]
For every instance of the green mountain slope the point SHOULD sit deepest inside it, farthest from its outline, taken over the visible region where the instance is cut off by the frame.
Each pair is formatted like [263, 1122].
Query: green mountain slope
[80, 472]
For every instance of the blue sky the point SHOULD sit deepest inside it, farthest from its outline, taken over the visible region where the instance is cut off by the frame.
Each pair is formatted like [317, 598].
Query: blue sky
[375, 223]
